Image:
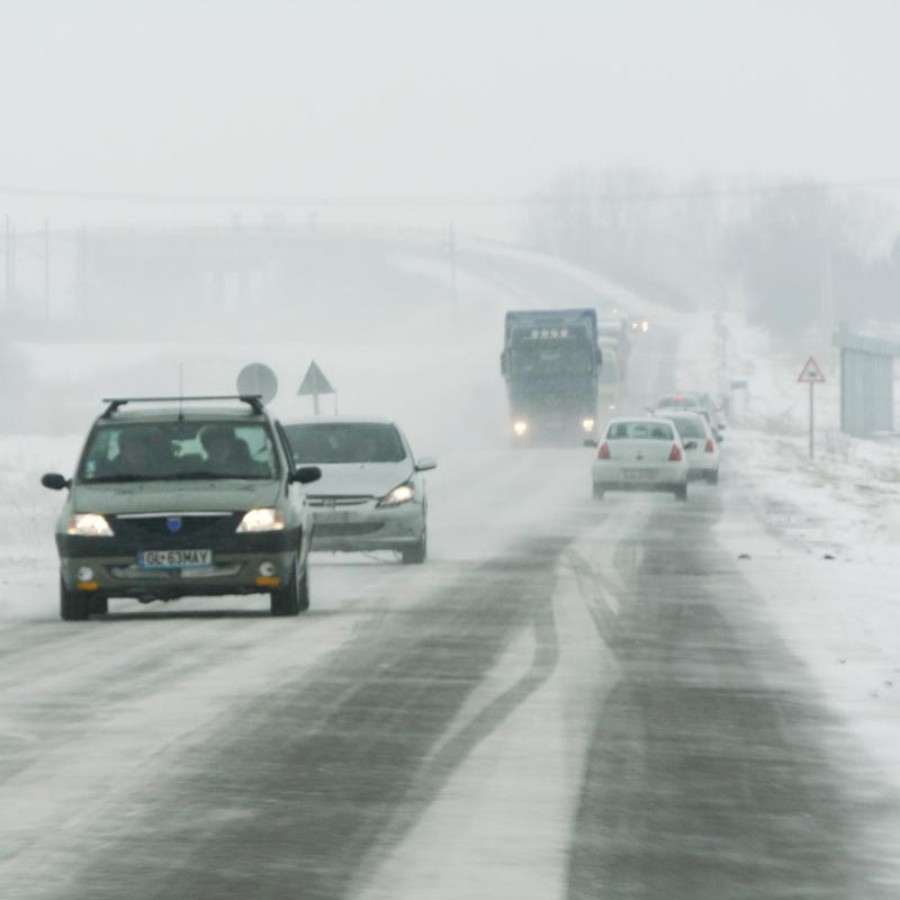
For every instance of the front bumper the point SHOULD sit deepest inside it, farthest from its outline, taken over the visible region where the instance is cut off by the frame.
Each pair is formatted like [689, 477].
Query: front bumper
[241, 564]
[368, 527]
[614, 478]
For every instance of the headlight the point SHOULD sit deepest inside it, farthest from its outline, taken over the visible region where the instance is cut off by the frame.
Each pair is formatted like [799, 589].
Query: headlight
[89, 525]
[587, 424]
[520, 427]
[261, 520]
[401, 494]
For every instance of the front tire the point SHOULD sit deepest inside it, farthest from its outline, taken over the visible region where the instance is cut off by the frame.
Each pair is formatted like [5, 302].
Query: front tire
[73, 606]
[713, 477]
[415, 555]
[287, 600]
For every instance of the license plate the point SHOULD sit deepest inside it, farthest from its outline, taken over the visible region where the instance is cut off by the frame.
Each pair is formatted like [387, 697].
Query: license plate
[336, 517]
[174, 559]
[639, 474]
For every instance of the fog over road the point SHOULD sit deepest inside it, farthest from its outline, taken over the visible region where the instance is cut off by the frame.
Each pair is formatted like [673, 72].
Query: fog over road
[571, 699]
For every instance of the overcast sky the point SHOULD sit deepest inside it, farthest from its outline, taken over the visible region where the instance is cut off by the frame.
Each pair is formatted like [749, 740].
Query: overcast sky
[413, 98]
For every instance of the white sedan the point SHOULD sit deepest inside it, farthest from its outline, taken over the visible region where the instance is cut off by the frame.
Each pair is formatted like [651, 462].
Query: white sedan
[371, 495]
[640, 454]
[700, 443]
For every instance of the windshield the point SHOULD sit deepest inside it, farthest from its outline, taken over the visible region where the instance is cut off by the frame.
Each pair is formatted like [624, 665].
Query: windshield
[552, 358]
[345, 442]
[171, 451]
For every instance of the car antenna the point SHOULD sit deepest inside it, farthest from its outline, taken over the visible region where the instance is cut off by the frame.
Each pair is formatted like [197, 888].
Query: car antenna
[181, 391]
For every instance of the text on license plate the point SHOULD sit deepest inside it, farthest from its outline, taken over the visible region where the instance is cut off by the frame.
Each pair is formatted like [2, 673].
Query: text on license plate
[174, 559]
[639, 474]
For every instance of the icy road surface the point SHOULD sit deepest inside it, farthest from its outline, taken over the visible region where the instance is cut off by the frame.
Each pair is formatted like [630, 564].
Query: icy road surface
[571, 699]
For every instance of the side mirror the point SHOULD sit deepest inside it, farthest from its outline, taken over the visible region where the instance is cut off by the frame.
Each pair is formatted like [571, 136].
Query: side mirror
[719, 438]
[690, 445]
[307, 474]
[425, 463]
[55, 482]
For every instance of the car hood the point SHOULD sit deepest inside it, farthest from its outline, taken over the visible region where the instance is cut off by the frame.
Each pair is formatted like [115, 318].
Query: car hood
[360, 479]
[222, 495]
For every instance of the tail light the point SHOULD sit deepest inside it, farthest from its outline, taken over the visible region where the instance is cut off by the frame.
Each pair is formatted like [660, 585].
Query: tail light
[603, 452]
[675, 455]
[710, 446]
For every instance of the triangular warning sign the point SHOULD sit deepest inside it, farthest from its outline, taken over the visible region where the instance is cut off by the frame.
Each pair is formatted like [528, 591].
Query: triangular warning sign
[314, 382]
[811, 373]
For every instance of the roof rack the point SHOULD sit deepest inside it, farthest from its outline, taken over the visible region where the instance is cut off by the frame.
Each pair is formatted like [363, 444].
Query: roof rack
[255, 401]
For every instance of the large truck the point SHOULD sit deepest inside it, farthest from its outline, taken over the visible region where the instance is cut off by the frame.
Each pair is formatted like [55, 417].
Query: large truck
[551, 361]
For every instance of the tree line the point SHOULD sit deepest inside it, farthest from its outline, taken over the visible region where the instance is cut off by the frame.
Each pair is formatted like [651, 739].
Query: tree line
[796, 256]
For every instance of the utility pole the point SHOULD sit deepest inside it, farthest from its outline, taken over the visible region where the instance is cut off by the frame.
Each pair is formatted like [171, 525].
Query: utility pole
[46, 269]
[10, 292]
[454, 298]
[81, 271]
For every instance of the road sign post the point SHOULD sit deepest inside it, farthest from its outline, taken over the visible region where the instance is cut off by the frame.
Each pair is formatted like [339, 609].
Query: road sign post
[811, 375]
[315, 383]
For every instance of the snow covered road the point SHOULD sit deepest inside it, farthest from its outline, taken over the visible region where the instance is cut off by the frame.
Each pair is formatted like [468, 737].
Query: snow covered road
[571, 699]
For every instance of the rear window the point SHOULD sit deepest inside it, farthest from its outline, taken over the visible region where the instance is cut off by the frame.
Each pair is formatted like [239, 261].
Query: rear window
[689, 428]
[345, 442]
[659, 431]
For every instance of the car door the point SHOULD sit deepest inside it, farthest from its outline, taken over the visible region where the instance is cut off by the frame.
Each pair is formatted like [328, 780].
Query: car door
[296, 492]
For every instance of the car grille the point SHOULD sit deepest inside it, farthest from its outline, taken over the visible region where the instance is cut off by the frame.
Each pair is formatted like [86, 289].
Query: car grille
[319, 501]
[148, 528]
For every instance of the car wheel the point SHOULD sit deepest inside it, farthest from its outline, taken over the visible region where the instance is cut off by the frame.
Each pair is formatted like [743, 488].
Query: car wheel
[73, 606]
[303, 590]
[99, 605]
[598, 492]
[286, 601]
[415, 555]
[713, 477]
[681, 492]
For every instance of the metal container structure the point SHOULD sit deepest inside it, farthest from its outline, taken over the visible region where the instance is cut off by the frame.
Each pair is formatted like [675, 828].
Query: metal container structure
[867, 382]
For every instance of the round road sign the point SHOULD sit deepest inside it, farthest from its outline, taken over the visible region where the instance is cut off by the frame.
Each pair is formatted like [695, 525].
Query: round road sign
[257, 378]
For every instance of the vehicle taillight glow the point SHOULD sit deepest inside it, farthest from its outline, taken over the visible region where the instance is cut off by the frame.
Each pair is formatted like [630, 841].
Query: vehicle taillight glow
[710, 446]
[603, 452]
[675, 455]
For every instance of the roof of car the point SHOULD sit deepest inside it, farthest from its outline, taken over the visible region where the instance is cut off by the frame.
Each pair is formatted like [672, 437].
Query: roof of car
[680, 412]
[650, 419]
[203, 414]
[185, 408]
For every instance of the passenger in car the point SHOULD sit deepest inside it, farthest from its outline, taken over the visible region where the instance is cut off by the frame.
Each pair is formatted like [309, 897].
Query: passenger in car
[142, 451]
[227, 454]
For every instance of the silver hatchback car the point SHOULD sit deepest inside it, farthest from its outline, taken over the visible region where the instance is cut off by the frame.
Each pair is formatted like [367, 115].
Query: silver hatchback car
[371, 495]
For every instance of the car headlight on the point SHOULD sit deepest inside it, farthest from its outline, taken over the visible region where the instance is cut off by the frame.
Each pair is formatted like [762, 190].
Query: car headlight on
[89, 525]
[261, 520]
[401, 494]
[587, 424]
[520, 427]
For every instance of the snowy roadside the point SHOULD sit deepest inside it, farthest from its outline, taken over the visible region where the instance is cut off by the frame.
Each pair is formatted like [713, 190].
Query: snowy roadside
[824, 549]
